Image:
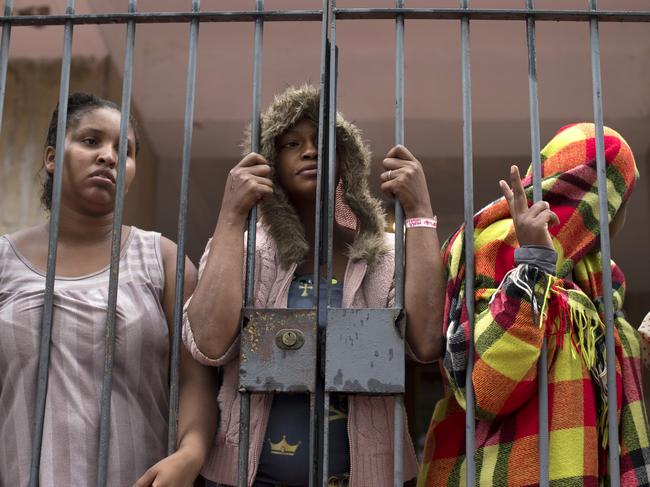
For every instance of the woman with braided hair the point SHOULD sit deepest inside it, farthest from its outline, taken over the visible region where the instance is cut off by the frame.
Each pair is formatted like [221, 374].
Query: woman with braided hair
[537, 274]
[145, 304]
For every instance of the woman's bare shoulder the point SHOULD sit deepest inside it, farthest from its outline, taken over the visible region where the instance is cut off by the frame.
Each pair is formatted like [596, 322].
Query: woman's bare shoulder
[30, 238]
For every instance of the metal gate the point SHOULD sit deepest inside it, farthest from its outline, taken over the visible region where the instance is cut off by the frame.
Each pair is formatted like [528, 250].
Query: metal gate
[292, 336]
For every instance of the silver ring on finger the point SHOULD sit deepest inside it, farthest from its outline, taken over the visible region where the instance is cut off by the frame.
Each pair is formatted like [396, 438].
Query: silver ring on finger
[389, 174]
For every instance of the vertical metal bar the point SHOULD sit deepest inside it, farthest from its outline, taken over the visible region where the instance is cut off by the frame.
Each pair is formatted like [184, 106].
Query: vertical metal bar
[398, 440]
[174, 388]
[542, 366]
[319, 234]
[4, 56]
[313, 442]
[331, 142]
[244, 410]
[244, 438]
[255, 147]
[319, 244]
[534, 104]
[398, 457]
[468, 198]
[107, 385]
[331, 194]
[612, 420]
[399, 139]
[325, 424]
[48, 302]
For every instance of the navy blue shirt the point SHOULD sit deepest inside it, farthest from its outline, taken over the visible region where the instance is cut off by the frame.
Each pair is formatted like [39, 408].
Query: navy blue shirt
[285, 455]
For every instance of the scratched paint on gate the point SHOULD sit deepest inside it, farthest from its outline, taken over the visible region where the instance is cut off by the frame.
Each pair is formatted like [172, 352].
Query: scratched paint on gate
[266, 365]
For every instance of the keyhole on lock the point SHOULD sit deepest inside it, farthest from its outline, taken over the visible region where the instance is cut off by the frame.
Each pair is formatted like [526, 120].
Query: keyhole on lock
[289, 339]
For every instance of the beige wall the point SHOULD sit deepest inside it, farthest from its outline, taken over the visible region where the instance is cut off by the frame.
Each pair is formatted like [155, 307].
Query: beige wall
[32, 91]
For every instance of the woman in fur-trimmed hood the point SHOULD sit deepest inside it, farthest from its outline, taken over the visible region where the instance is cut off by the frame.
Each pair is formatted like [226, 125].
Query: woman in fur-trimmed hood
[356, 208]
[283, 180]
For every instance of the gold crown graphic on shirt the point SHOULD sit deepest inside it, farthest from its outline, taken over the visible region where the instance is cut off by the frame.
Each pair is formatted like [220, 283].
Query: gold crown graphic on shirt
[283, 447]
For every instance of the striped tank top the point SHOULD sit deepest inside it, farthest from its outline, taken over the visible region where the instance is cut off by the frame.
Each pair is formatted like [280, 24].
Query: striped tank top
[140, 377]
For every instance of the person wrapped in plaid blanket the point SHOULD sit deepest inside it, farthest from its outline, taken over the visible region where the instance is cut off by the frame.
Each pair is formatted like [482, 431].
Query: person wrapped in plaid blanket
[538, 273]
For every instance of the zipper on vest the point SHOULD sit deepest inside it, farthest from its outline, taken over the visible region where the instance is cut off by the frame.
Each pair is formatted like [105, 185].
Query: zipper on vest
[257, 449]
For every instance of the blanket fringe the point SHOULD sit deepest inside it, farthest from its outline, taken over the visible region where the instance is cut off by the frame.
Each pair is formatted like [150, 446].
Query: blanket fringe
[587, 335]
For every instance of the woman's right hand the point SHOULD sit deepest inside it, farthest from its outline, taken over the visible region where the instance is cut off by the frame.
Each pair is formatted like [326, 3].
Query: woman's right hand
[248, 182]
[177, 470]
[531, 224]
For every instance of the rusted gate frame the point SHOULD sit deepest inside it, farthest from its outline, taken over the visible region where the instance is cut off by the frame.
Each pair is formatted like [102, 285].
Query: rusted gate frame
[464, 13]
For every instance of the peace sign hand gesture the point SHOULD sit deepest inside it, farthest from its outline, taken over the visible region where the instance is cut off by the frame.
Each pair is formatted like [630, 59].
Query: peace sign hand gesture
[531, 224]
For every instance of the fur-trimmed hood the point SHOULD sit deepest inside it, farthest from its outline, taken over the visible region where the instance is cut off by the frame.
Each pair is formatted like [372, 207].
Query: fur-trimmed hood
[354, 201]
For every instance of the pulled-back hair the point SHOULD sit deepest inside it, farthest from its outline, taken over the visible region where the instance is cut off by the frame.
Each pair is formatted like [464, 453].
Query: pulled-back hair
[78, 105]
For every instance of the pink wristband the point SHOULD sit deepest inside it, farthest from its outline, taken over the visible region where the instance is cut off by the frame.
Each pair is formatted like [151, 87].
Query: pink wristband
[422, 222]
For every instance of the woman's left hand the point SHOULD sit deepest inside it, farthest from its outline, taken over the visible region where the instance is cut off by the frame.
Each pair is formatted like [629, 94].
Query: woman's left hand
[177, 470]
[404, 179]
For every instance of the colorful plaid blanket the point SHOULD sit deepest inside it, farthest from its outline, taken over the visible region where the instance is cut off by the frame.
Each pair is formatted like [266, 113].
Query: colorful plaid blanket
[515, 307]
